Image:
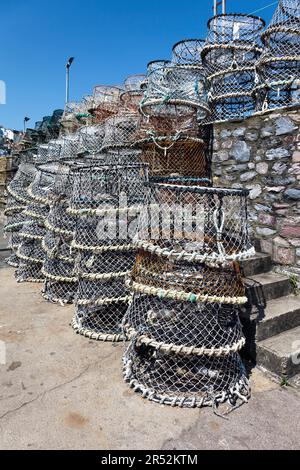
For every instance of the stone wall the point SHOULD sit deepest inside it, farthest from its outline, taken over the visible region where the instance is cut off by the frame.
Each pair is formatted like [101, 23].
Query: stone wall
[262, 154]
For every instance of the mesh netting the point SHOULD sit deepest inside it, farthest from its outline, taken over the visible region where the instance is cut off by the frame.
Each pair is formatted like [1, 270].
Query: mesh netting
[170, 83]
[229, 57]
[278, 68]
[133, 92]
[193, 223]
[92, 138]
[186, 381]
[180, 157]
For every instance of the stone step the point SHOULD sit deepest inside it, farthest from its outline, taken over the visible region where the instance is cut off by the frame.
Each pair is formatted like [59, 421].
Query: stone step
[258, 264]
[280, 354]
[280, 315]
[267, 286]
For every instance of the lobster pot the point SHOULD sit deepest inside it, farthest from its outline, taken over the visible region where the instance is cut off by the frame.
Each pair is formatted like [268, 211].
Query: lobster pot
[14, 211]
[107, 202]
[168, 120]
[174, 84]
[229, 57]
[70, 147]
[183, 320]
[232, 42]
[68, 120]
[133, 92]
[102, 186]
[203, 224]
[188, 52]
[59, 264]
[43, 181]
[106, 100]
[186, 380]
[278, 68]
[92, 138]
[183, 157]
[120, 131]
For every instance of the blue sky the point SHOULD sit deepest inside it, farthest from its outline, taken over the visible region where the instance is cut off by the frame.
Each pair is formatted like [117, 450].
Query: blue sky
[109, 40]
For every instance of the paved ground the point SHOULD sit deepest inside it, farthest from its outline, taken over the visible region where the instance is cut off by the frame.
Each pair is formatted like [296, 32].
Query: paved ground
[62, 391]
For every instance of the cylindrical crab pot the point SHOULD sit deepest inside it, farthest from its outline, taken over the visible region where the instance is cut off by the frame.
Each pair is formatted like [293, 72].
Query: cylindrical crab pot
[106, 100]
[133, 92]
[120, 131]
[278, 68]
[229, 58]
[168, 83]
[188, 52]
[30, 251]
[184, 316]
[59, 266]
[106, 200]
[16, 203]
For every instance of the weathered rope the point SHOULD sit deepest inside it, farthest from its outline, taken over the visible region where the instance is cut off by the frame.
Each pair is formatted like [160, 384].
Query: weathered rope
[112, 338]
[104, 277]
[185, 350]
[182, 296]
[53, 277]
[193, 257]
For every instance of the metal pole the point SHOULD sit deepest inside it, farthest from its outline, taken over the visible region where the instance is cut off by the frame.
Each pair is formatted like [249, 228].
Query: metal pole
[215, 7]
[24, 125]
[223, 7]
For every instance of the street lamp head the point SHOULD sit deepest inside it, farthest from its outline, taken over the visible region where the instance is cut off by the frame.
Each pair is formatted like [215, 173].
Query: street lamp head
[69, 63]
[26, 119]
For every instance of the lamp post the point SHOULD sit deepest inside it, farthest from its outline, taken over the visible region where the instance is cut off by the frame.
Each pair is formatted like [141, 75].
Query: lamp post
[26, 119]
[68, 65]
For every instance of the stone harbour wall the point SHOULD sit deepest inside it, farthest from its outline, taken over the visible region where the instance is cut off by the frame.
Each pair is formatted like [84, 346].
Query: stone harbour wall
[262, 154]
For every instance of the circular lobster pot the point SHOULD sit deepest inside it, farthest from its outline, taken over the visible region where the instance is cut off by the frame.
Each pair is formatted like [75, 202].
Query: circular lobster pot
[173, 84]
[106, 101]
[188, 52]
[232, 41]
[195, 223]
[92, 138]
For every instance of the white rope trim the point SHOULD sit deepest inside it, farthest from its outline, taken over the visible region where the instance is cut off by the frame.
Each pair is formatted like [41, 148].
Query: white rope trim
[183, 255]
[104, 301]
[53, 277]
[185, 350]
[104, 277]
[106, 337]
[182, 296]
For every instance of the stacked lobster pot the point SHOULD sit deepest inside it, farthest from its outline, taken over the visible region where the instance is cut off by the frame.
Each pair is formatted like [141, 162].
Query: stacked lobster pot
[184, 316]
[169, 136]
[30, 252]
[107, 193]
[59, 264]
[106, 200]
[229, 57]
[17, 201]
[279, 65]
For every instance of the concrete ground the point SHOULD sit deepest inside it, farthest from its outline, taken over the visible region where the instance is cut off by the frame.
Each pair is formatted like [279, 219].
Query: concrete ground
[62, 391]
